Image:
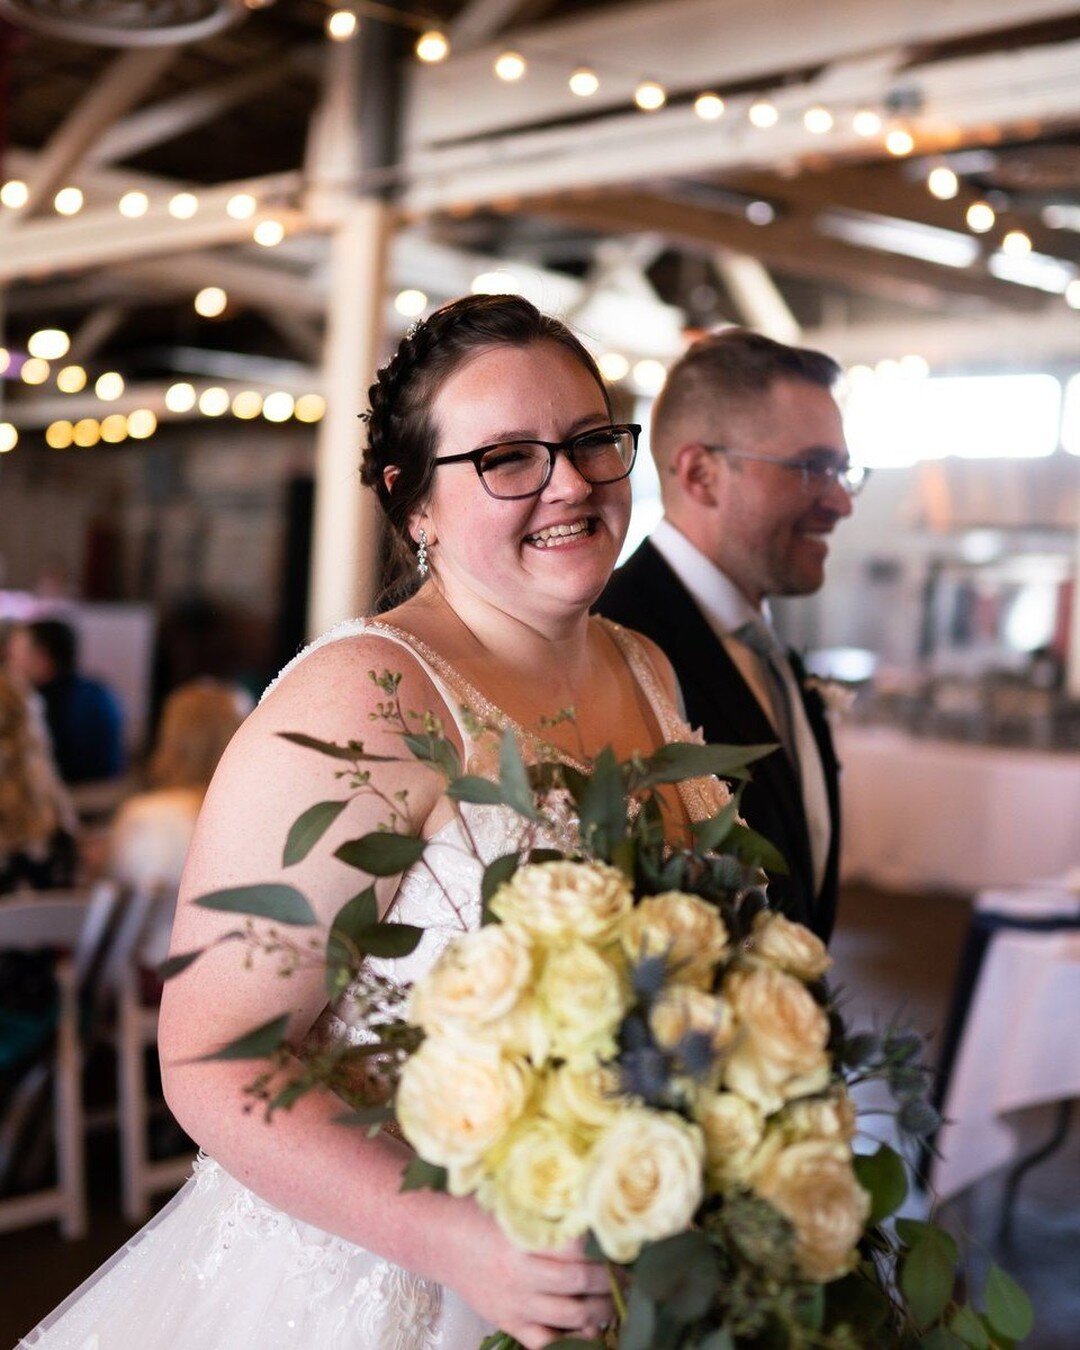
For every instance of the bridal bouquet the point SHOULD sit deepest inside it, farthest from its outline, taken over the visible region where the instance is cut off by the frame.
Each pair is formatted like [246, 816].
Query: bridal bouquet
[632, 1048]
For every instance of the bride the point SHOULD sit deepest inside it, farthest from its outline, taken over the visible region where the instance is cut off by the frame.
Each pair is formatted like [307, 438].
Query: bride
[492, 451]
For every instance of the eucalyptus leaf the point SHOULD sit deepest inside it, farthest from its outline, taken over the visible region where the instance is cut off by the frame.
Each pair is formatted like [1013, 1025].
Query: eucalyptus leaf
[857, 1301]
[497, 873]
[180, 962]
[514, 778]
[940, 1338]
[355, 915]
[437, 751]
[810, 1311]
[308, 829]
[256, 1044]
[423, 1176]
[676, 762]
[720, 1339]
[927, 1277]
[603, 806]
[640, 1325]
[754, 848]
[882, 1174]
[914, 1231]
[478, 791]
[266, 900]
[1008, 1308]
[967, 1325]
[354, 752]
[389, 941]
[680, 1273]
[710, 834]
[366, 1115]
[382, 853]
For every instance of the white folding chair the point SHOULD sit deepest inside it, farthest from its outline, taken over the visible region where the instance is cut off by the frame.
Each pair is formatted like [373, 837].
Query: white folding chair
[135, 1032]
[75, 923]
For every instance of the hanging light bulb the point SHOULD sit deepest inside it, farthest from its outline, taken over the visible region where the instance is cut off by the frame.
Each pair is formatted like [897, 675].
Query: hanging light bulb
[410, 303]
[341, 25]
[241, 206]
[866, 122]
[278, 406]
[247, 404]
[180, 398]
[34, 371]
[14, 195]
[432, 47]
[114, 428]
[649, 95]
[71, 380]
[510, 66]
[980, 217]
[763, 114]
[818, 120]
[1016, 243]
[58, 435]
[109, 386]
[899, 142]
[86, 433]
[48, 343]
[709, 107]
[649, 375]
[132, 205]
[310, 408]
[9, 437]
[269, 233]
[141, 424]
[68, 201]
[183, 205]
[942, 183]
[211, 302]
[584, 82]
[214, 402]
[613, 366]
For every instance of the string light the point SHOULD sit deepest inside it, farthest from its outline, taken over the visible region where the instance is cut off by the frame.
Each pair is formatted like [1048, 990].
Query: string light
[762, 114]
[584, 82]
[899, 142]
[71, 380]
[9, 437]
[432, 47]
[1072, 293]
[1016, 243]
[109, 386]
[980, 217]
[269, 233]
[133, 205]
[86, 433]
[310, 408]
[241, 206]
[341, 25]
[649, 375]
[613, 366]
[818, 120]
[709, 107]
[278, 406]
[649, 95]
[410, 303]
[68, 201]
[510, 66]
[34, 371]
[211, 302]
[14, 195]
[247, 404]
[183, 205]
[495, 283]
[114, 428]
[180, 398]
[943, 183]
[214, 402]
[760, 212]
[49, 343]
[141, 424]
[866, 123]
[59, 435]
[5, 359]
[914, 367]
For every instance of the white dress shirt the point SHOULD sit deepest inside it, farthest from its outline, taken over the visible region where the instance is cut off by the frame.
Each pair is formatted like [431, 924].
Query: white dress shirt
[726, 610]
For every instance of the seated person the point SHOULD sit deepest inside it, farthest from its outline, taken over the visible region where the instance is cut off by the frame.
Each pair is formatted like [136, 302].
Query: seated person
[84, 716]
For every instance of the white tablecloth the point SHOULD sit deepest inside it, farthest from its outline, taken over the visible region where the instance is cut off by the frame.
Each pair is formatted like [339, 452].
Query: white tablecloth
[923, 815]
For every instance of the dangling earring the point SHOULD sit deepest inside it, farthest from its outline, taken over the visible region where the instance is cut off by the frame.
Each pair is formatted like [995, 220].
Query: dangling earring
[421, 555]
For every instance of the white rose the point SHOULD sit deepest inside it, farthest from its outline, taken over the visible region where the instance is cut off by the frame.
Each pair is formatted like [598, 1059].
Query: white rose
[646, 1181]
[813, 1185]
[584, 1099]
[779, 1049]
[536, 1191]
[476, 982]
[581, 998]
[790, 946]
[556, 901]
[733, 1129]
[685, 929]
[681, 1009]
[831, 1118]
[453, 1107]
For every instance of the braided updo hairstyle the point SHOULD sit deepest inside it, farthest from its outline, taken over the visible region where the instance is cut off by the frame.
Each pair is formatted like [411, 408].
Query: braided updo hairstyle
[401, 430]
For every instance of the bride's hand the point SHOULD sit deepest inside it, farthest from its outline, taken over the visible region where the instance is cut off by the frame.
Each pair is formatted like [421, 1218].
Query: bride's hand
[537, 1298]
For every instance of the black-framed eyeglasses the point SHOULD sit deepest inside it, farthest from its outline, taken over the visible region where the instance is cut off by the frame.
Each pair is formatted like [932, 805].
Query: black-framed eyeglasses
[817, 474]
[511, 470]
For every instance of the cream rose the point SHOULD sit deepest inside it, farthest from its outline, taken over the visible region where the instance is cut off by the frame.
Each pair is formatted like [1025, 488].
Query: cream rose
[779, 1049]
[581, 998]
[453, 1107]
[684, 928]
[830, 1118]
[537, 1190]
[557, 901]
[646, 1181]
[476, 982]
[813, 1185]
[681, 1009]
[790, 946]
[584, 1099]
[733, 1128]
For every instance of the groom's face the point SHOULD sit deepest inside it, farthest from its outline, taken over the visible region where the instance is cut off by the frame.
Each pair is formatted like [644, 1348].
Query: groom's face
[772, 524]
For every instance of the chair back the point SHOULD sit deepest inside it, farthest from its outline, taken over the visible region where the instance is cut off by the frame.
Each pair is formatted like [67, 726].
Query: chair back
[76, 920]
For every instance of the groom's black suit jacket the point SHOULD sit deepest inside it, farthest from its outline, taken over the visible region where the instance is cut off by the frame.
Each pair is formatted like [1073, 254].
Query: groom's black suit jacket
[647, 595]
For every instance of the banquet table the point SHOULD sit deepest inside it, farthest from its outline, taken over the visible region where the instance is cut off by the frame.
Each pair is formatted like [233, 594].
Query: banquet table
[932, 815]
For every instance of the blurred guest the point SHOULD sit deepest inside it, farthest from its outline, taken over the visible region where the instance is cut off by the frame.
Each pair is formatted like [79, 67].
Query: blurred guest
[37, 819]
[84, 716]
[153, 829]
[754, 473]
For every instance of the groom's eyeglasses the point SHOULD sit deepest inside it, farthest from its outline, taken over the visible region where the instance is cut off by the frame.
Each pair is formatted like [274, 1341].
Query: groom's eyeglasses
[512, 470]
[817, 474]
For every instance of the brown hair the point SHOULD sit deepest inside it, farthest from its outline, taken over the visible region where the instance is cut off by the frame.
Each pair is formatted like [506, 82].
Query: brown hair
[197, 723]
[730, 369]
[401, 432]
[30, 806]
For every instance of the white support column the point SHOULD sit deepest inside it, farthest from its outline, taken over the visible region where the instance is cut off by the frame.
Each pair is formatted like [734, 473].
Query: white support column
[759, 301]
[347, 524]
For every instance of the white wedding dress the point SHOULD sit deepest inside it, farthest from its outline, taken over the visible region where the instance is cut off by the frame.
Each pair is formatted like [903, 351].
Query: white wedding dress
[220, 1269]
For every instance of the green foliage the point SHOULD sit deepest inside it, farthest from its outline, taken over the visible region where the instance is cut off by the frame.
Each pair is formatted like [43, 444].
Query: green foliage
[353, 752]
[882, 1175]
[496, 874]
[381, 853]
[180, 962]
[437, 751]
[968, 1327]
[516, 790]
[257, 1044]
[477, 791]
[1008, 1308]
[681, 760]
[680, 1273]
[602, 810]
[308, 829]
[927, 1277]
[266, 900]
[710, 834]
[423, 1176]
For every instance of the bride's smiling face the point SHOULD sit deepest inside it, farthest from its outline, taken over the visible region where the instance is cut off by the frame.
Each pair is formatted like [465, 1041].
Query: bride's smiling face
[504, 552]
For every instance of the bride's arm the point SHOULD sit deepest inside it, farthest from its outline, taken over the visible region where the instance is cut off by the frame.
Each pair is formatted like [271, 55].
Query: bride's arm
[304, 1162]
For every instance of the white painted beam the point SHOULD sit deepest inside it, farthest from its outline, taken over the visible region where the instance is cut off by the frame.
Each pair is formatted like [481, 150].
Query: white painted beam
[480, 20]
[757, 296]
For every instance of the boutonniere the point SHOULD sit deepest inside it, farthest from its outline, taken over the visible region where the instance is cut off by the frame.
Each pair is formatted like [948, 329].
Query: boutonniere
[838, 698]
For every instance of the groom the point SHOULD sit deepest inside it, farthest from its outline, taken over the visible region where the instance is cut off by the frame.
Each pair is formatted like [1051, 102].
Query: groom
[754, 474]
